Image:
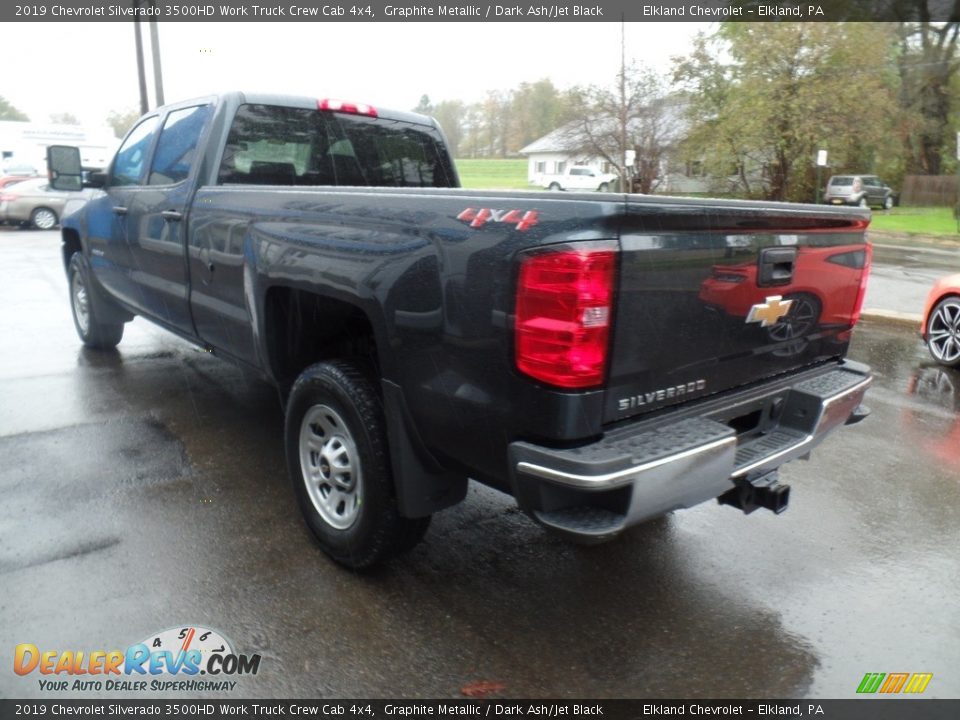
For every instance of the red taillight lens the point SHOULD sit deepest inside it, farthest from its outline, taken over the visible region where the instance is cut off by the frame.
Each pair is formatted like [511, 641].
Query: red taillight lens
[346, 107]
[563, 315]
[858, 305]
[6, 197]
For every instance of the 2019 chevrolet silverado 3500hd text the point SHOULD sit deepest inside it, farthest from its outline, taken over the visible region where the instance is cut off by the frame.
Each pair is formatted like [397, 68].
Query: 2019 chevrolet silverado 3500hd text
[603, 358]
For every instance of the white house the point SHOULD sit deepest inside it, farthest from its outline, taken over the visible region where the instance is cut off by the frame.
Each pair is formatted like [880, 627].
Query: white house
[24, 144]
[558, 150]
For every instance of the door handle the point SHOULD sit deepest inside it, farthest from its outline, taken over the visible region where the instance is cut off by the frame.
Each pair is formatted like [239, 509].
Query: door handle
[171, 215]
[776, 266]
[118, 210]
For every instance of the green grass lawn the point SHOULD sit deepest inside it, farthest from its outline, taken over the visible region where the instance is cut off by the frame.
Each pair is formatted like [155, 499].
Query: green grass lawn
[915, 221]
[494, 174]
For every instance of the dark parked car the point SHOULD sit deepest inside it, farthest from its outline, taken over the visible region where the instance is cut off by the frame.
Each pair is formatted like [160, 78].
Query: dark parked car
[861, 190]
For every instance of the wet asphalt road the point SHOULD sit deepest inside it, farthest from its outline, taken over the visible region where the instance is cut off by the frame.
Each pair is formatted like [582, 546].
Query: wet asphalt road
[145, 489]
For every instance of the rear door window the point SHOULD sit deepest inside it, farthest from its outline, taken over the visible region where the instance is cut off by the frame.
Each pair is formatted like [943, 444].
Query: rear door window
[273, 145]
[177, 146]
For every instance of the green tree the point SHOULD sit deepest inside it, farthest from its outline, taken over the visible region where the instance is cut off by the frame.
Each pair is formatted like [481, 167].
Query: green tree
[762, 98]
[451, 114]
[424, 107]
[927, 63]
[9, 112]
[64, 118]
[122, 120]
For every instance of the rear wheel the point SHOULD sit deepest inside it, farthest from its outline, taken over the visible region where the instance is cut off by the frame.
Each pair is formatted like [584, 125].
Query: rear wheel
[800, 320]
[864, 203]
[43, 218]
[337, 458]
[603, 187]
[888, 202]
[94, 334]
[943, 332]
[554, 186]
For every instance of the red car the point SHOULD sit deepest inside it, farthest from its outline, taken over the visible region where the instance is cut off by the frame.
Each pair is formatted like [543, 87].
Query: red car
[12, 179]
[941, 321]
[826, 288]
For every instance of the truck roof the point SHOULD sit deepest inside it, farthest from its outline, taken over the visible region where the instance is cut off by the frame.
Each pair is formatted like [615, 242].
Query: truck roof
[299, 101]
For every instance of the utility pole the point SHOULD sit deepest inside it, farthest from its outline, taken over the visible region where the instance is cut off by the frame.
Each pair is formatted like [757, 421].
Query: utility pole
[141, 74]
[155, 50]
[623, 105]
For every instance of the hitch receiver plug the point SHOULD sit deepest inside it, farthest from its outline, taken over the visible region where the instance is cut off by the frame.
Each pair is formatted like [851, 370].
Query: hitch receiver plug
[758, 491]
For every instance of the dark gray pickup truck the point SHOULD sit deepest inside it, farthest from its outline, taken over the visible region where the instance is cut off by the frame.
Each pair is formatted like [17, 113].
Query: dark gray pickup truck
[603, 358]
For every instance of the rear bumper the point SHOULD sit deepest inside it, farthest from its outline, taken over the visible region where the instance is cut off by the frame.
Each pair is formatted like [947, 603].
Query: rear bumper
[643, 470]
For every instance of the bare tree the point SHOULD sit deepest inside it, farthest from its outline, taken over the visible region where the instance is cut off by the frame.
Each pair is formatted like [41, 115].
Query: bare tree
[633, 115]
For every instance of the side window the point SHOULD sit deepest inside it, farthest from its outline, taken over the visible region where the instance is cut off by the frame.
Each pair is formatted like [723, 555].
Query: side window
[176, 150]
[128, 166]
[270, 145]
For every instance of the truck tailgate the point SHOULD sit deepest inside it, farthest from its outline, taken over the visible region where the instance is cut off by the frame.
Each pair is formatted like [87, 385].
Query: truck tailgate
[713, 297]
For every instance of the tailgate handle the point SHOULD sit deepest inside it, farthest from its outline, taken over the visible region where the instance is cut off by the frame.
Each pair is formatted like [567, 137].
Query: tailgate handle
[776, 266]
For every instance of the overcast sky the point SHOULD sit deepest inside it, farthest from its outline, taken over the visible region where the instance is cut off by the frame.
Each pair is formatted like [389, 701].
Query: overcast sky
[89, 69]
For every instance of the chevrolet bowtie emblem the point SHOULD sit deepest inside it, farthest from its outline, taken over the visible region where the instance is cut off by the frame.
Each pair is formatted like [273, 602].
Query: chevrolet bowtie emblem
[769, 312]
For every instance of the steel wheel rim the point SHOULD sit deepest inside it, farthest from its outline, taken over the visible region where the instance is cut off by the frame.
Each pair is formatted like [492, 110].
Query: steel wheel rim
[799, 320]
[81, 303]
[44, 219]
[944, 335]
[330, 466]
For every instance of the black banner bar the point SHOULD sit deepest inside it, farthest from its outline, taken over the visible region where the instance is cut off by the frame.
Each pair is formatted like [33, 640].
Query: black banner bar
[479, 11]
[872, 708]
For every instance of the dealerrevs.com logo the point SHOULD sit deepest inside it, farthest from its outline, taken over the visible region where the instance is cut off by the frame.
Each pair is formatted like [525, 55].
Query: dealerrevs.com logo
[169, 661]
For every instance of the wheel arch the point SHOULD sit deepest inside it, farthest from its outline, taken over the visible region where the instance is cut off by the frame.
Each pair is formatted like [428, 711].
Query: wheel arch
[423, 486]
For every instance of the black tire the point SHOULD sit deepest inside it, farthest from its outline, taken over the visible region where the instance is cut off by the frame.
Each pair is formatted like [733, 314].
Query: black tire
[338, 461]
[603, 187]
[864, 202]
[555, 186]
[888, 202]
[943, 332]
[94, 334]
[802, 319]
[43, 218]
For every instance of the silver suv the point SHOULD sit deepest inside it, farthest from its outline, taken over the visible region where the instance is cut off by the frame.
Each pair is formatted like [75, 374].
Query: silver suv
[862, 190]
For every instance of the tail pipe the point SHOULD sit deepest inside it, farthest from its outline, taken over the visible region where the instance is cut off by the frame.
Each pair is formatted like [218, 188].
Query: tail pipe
[758, 491]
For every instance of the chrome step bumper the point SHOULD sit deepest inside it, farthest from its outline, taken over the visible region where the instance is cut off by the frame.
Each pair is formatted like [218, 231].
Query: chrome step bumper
[636, 473]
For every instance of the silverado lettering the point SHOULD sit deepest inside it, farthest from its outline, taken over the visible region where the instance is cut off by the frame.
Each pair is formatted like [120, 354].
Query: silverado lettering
[421, 335]
[669, 393]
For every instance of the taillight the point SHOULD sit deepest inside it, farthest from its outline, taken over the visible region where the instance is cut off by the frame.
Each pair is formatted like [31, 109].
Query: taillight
[865, 275]
[346, 107]
[563, 315]
[7, 197]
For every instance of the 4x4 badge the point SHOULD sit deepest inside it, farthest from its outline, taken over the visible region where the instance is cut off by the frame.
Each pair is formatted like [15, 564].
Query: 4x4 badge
[524, 220]
[770, 311]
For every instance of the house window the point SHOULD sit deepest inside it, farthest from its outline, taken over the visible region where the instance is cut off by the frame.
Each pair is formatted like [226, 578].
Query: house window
[695, 168]
[561, 167]
[541, 168]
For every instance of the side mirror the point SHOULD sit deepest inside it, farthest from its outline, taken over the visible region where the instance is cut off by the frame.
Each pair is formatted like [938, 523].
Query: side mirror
[63, 167]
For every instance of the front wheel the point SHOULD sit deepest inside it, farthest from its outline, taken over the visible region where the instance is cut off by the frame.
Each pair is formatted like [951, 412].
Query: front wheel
[94, 334]
[603, 187]
[888, 202]
[864, 203]
[338, 462]
[943, 332]
[554, 186]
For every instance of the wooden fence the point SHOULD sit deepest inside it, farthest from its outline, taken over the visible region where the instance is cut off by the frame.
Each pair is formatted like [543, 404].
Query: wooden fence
[929, 191]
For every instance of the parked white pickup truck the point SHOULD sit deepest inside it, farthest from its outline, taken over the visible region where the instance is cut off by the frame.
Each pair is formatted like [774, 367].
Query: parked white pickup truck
[579, 178]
